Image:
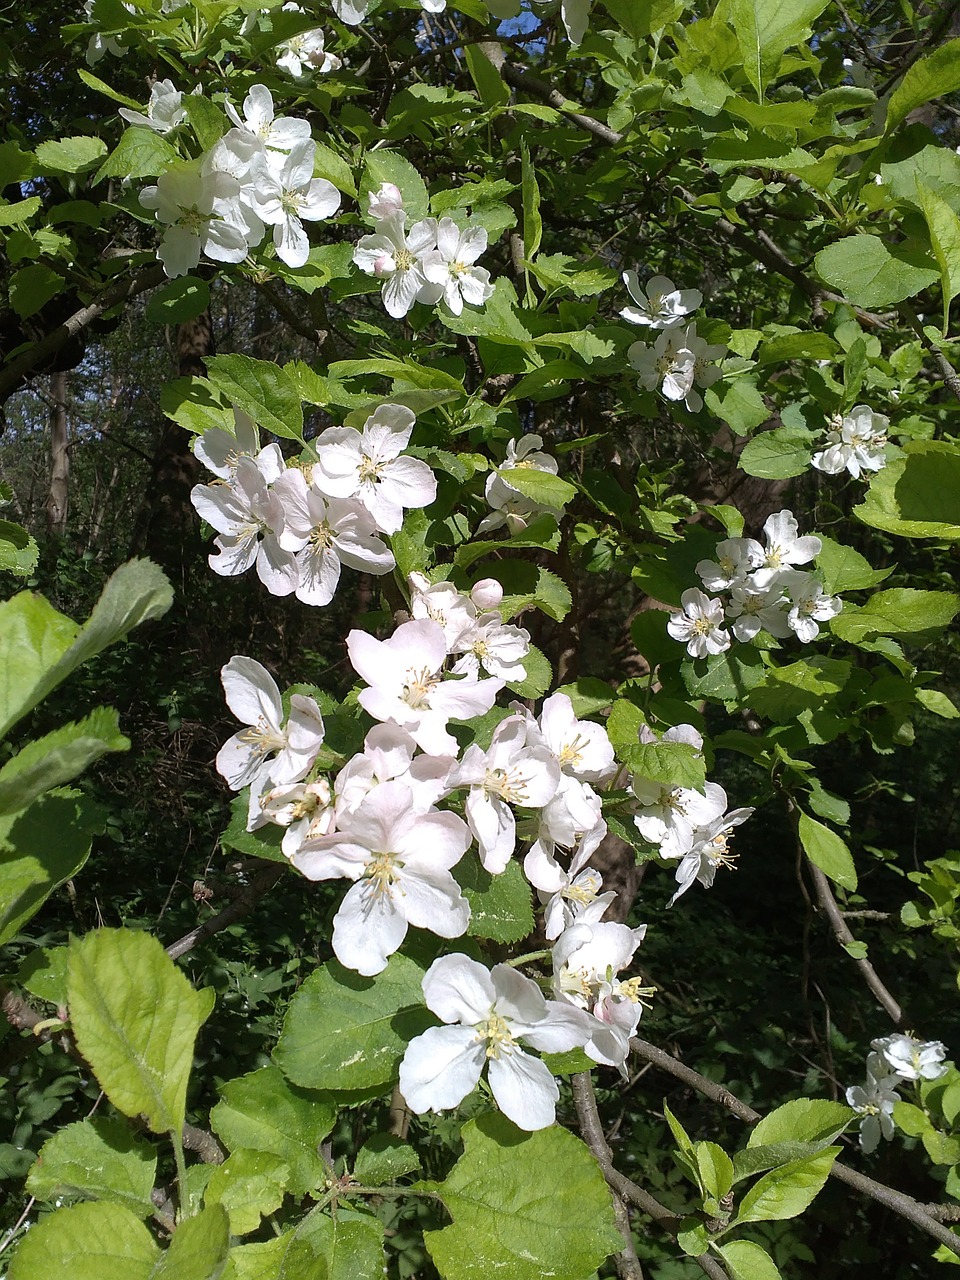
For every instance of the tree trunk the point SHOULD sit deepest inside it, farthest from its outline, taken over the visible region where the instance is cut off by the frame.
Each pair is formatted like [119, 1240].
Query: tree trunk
[59, 492]
[167, 529]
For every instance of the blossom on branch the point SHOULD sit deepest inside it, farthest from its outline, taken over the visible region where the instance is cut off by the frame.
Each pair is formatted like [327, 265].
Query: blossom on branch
[856, 443]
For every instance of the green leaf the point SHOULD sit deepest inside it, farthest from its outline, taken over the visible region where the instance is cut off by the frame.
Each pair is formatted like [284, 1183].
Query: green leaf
[715, 1169]
[854, 367]
[32, 288]
[208, 121]
[179, 300]
[261, 389]
[844, 569]
[140, 153]
[802, 1120]
[641, 18]
[918, 494]
[198, 1249]
[193, 403]
[588, 695]
[350, 1247]
[44, 972]
[39, 647]
[766, 29]
[944, 227]
[344, 1031]
[384, 1158]
[728, 677]
[530, 1206]
[942, 1148]
[40, 848]
[938, 703]
[871, 273]
[813, 345]
[899, 611]
[72, 155]
[827, 851]
[491, 88]
[745, 1260]
[19, 552]
[58, 757]
[18, 212]
[541, 532]
[753, 1160]
[541, 486]
[532, 222]
[262, 1111]
[500, 905]
[778, 454]
[787, 1191]
[675, 764]
[806, 685]
[933, 76]
[248, 1185]
[135, 1018]
[739, 403]
[538, 677]
[911, 1120]
[328, 164]
[87, 1242]
[97, 1159]
[100, 86]
[263, 843]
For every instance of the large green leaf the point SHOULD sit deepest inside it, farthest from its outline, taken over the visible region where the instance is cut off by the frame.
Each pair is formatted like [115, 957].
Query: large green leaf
[40, 848]
[249, 1185]
[844, 569]
[802, 1120]
[828, 851]
[531, 1206]
[97, 1159]
[944, 227]
[350, 1245]
[71, 155]
[140, 153]
[19, 552]
[766, 29]
[872, 273]
[262, 389]
[40, 647]
[198, 1249]
[918, 494]
[787, 1191]
[87, 1242]
[344, 1031]
[135, 1017]
[500, 906]
[58, 757]
[930, 77]
[900, 611]
[745, 1260]
[778, 454]
[263, 1112]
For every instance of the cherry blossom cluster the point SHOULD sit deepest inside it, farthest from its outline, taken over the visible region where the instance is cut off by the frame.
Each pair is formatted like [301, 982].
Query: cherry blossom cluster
[690, 827]
[431, 261]
[893, 1060]
[400, 815]
[766, 591]
[679, 360]
[509, 506]
[298, 525]
[856, 442]
[258, 175]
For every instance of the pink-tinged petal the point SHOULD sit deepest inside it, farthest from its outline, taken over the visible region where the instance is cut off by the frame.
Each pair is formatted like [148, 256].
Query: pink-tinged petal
[432, 900]
[368, 928]
[525, 1090]
[459, 989]
[440, 1068]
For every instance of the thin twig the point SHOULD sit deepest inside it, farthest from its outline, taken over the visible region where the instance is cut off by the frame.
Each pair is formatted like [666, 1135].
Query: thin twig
[520, 79]
[949, 374]
[244, 902]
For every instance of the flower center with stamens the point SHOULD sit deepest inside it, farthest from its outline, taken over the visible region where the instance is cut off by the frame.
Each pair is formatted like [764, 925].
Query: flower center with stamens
[404, 259]
[584, 893]
[497, 1035]
[321, 536]
[418, 687]
[291, 202]
[369, 470]
[718, 853]
[634, 991]
[571, 753]
[509, 786]
[702, 626]
[383, 870]
[262, 738]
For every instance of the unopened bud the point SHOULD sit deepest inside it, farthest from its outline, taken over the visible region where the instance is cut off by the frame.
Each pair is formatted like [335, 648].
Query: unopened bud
[487, 593]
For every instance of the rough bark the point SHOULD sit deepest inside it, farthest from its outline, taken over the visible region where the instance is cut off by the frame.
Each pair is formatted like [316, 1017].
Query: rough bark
[58, 494]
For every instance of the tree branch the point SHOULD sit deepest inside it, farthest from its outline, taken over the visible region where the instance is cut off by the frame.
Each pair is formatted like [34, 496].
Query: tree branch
[898, 1201]
[949, 374]
[244, 902]
[39, 352]
[624, 1190]
[517, 78]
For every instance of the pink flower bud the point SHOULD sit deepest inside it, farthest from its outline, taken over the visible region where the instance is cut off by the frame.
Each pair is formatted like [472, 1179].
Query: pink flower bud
[487, 593]
[385, 202]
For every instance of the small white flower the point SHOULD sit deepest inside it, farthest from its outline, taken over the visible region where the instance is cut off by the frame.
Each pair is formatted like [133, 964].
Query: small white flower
[450, 265]
[164, 110]
[785, 548]
[736, 559]
[700, 625]
[192, 205]
[305, 51]
[491, 645]
[397, 257]
[488, 1012]
[809, 604]
[262, 127]
[285, 192]
[253, 697]
[857, 443]
[754, 609]
[912, 1059]
[709, 850]
[510, 506]
[667, 362]
[660, 305]
[874, 1102]
[385, 202]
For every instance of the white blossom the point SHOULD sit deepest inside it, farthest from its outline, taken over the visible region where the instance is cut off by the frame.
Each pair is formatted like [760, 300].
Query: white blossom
[700, 625]
[809, 604]
[399, 858]
[510, 506]
[286, 192]
[667, 364]
[397, 257]
[305, 51]
[366, 465]
[164, 110]
[874, 1102]
[287, 751]
[586, 961]
[451, 267]
[785, 548]
[659, 304]
[855, 443]
[262, 127]
[487, 1013]
[912, 1059]
[192, 205]
[707, 851]
[247, 516]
